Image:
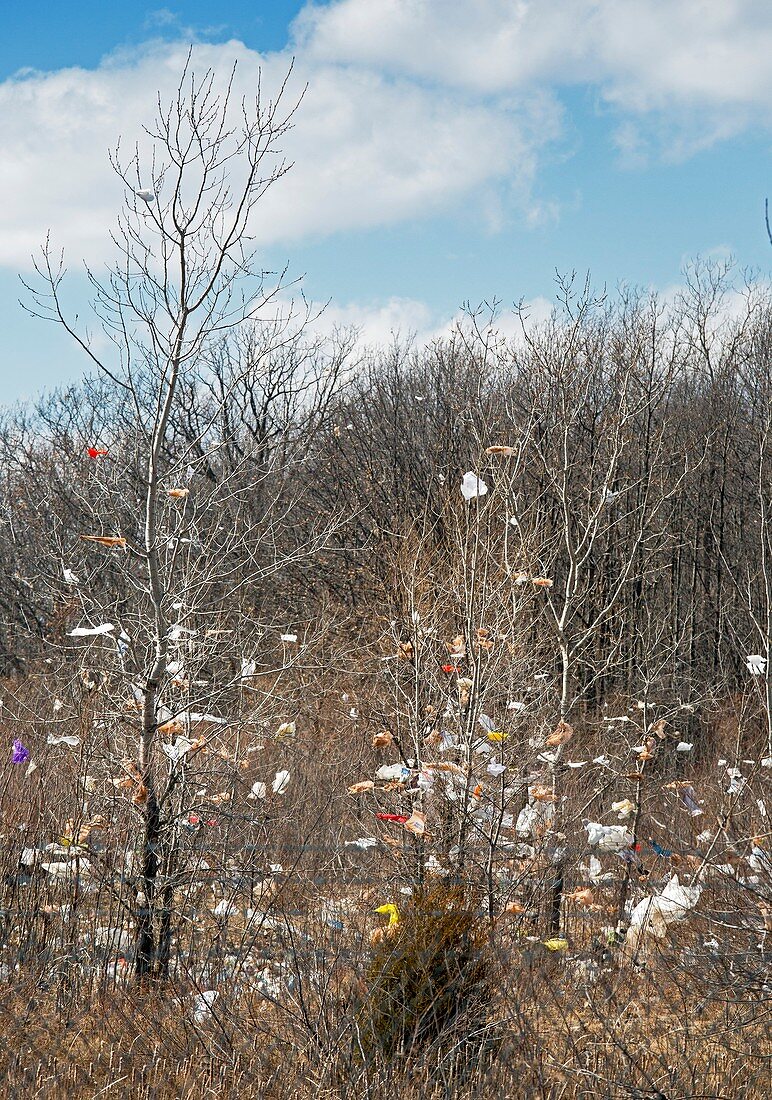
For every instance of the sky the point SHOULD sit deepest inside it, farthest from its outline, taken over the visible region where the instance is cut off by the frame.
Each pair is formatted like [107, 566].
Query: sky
[445, 151]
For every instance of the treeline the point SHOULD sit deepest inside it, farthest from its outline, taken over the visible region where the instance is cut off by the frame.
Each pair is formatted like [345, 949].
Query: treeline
[637, 480]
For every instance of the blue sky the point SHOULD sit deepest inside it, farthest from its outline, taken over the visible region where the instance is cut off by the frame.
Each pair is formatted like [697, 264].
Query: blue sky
[445, 152]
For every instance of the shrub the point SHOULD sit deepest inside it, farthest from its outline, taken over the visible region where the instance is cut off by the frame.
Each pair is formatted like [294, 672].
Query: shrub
[429, 982]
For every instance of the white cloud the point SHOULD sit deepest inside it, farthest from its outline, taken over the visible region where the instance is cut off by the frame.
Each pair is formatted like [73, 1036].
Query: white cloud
[489, 45]
[368, 149]
[380, 323]
[700, 57]
[415, 108]
[697, 50]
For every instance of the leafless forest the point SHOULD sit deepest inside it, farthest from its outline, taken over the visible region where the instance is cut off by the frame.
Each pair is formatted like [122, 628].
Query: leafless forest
[381, 723]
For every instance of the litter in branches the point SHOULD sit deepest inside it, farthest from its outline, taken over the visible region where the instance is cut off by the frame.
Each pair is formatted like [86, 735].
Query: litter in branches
[520, 578]
[563, 732]
[202, 1007]
[362, 843]
[472, 486]
[594, 873]
[91, 631]
[111, 541]
[362, 787]
[687, 795]
[281, 782]
[182, 747]
[441, 675]
[654, 914]
[756, 664]
[393, 773]
[19, 753]
[540, 793]
[388, 930]
[608, 838]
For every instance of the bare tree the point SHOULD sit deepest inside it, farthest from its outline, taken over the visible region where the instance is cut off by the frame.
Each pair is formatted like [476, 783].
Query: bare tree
[187, 275]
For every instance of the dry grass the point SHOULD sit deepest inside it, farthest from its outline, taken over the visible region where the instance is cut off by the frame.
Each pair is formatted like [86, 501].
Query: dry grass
[546, 1035]
[294, 987]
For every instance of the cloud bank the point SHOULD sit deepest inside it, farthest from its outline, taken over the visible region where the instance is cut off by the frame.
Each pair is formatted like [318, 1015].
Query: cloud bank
[657, 54]
[415, 108]
[369, 149]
